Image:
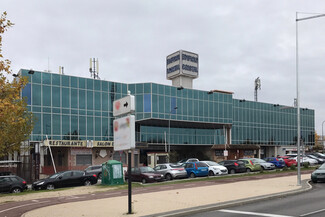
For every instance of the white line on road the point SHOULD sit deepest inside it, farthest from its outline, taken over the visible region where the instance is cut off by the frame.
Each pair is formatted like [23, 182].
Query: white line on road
[252, 213]
[15, 207]
[311, 213]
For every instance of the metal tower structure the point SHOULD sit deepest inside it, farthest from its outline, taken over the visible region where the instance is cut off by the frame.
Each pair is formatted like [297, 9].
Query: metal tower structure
[93, 68]
[257, 87]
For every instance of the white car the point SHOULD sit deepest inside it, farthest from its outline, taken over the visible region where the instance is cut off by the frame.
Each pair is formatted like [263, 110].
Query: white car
[215, 168]
[306, 159]
[265, 165]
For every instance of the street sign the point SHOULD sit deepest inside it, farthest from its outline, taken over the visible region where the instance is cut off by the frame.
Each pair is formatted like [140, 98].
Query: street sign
[123, 106]
[124, 133]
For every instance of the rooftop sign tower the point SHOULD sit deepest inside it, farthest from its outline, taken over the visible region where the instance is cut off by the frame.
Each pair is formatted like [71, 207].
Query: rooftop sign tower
[182, 68]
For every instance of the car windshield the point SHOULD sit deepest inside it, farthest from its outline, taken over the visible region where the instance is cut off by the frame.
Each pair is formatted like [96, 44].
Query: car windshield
[211, 163]
[55, 175]
[175, 166]
[322, 167]
[259, 161]
[146, 170]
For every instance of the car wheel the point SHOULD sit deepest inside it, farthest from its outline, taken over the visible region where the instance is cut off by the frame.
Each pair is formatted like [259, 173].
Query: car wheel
[314, 180]
[262, 168]
[248, 170]
[192, 175]
[87, 183]
[49, 186]
[144, 181]
[211, 173]
[232, 171]
[16, 190]
[168, 177]
[99, 175]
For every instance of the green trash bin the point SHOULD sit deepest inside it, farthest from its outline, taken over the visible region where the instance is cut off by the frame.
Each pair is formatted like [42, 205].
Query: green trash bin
[112, 173]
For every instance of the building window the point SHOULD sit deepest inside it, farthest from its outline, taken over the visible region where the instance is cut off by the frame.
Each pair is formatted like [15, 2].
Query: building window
[84, 159]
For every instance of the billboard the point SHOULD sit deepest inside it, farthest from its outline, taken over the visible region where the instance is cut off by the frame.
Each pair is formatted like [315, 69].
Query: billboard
[124, 133]
[182, 63]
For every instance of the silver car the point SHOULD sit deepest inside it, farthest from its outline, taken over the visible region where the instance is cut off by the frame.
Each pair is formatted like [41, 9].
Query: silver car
[171, 171]
[265, 165]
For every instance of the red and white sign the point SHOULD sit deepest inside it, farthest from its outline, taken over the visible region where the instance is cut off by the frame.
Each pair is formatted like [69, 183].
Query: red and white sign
[124, 133]
[123, 106]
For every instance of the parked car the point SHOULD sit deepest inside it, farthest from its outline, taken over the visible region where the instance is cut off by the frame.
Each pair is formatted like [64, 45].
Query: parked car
[12, 184]
[319, 160]
[251, 166]
[319, 155]
[319, 174]
[144, 174]
[186, 160]
[195, 169]
[97, 169]
[215, 168]
[234, 166]
[278, 162]
[264, 165]
[65, 179]
[171, 171]
[289, 161]
[307, 160]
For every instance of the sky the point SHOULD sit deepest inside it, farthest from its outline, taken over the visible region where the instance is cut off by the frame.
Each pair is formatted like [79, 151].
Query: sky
[236, 40]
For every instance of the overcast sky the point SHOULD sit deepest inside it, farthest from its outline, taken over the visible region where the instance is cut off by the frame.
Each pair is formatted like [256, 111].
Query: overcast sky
[237, 41]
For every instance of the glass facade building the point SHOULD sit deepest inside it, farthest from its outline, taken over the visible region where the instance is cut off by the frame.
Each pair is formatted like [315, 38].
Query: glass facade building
[75, 108]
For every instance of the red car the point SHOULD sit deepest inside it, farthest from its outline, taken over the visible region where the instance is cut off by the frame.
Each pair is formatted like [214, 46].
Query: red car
[289, 161]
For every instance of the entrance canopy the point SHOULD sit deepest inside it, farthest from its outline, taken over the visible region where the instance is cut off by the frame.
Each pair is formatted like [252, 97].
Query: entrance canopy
[182, 124]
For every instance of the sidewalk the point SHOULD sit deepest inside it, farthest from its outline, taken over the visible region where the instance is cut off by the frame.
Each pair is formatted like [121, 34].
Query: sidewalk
[175, 202]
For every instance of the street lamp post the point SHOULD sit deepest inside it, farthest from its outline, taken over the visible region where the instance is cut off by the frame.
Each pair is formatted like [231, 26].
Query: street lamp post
[323, 134]
[297, 90]
[169, 128]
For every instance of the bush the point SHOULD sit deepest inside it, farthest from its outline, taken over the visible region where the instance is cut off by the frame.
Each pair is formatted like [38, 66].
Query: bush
[293, 167]
[285, 168]
[306, 165]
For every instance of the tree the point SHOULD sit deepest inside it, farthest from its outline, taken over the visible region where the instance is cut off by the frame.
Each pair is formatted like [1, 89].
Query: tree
[16, 122]
[318, 143]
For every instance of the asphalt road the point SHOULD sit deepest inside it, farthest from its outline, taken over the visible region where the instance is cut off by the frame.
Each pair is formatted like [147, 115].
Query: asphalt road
[308, 204]
[15, 209]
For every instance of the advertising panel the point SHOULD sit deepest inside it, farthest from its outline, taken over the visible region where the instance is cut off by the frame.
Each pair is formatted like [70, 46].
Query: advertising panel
[124, 133]
[182, 63]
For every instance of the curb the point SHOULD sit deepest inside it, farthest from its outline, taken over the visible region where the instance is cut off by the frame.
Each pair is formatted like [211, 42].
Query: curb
[306, 186]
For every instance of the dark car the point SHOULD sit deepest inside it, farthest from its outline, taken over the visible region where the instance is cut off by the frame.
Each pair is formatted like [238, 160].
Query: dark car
[319, 174]
[144, 175]
[234, 166]
[65, 179]
[97, 169]
[12, 184]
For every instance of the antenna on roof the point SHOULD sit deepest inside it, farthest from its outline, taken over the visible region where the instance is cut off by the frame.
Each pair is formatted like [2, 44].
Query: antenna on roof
[93, 68]
[257, 87]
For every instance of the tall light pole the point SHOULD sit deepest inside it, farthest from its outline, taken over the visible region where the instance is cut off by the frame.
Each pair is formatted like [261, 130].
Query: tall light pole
[297, 90]
[323, 134]
[170, 113]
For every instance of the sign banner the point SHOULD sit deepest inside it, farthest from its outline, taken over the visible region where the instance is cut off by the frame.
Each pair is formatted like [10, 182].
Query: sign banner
[123, 106]
[66, 143]
[103, 144]
[124, 133]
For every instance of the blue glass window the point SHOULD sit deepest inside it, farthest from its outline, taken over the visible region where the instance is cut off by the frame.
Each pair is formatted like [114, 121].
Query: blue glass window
[27, 93]
[147, 102]
[173, 105]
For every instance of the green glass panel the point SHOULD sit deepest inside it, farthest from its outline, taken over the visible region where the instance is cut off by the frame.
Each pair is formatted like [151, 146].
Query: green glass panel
[74, 82]
[98, 126]
[82, 99]
[82, 125]
[56, 96]
[46, 78]
[36, 94]
[82, 83]
[90, 84]
[56, 124]
[65, 97]
[74, 98]
[97, 85]
[56, 80]
[98, 101]
[105, 86]
[90, 126]
[36, 77]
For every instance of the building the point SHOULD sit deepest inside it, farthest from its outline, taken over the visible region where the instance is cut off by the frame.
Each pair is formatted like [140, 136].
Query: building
[75, 122]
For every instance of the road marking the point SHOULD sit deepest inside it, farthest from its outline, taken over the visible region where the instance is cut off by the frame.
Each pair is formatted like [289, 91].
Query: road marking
[252, 213]
[15, 207]
[311, 213]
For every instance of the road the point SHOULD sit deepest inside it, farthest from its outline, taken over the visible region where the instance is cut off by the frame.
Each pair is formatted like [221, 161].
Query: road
[14, 209]
[308, 204]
